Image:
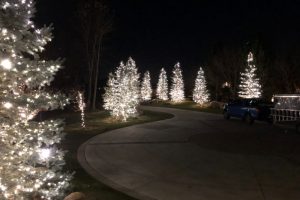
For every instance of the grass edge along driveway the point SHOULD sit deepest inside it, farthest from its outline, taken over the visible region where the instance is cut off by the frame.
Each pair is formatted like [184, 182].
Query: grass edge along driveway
[96, 123]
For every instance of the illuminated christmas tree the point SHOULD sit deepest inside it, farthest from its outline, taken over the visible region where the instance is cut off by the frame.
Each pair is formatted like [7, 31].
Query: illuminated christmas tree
[146, 90]
[30, 162]
[250, 86]
[177, 87]
[122, 94]
[162, 86]
[200, 93]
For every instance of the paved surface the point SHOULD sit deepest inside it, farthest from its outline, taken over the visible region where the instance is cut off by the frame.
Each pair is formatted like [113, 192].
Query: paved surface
[197, 156]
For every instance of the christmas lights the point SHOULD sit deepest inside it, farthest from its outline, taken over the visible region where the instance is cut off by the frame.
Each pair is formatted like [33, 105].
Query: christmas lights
[249, 86]
[81, 106]
[162, 86]
[177, 87]
[122, 94]
[200, 93]
[30, 162]
[146, 90]
[6, 64]
[287, 101]
[44, 154]
[7, 105]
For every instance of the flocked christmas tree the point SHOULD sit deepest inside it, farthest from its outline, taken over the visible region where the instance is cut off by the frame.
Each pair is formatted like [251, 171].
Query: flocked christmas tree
[146, 90]
[30, 162]
[250, 86]
[122, 94]
[177, 87]
[162, 86]
[200, 93]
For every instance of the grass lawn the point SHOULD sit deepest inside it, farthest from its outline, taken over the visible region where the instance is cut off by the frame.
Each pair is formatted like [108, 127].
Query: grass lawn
[187, 105]
[96, 123]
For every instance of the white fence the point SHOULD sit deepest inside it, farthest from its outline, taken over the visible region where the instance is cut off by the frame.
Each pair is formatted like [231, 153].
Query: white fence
[285, 115]
[287, 108]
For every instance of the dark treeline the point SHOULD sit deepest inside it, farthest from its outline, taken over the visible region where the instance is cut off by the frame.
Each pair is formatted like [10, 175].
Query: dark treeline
[277, 60]
[278, 70]
[80, 36]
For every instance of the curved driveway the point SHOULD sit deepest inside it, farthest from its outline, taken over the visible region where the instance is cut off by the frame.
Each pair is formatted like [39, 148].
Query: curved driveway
[197, 156]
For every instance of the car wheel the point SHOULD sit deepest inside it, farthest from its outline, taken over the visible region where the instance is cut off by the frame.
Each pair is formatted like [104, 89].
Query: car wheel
[248, 119]
[226, 115]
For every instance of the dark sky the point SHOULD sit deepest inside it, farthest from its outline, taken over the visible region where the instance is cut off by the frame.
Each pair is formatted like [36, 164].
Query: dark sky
[160, 33]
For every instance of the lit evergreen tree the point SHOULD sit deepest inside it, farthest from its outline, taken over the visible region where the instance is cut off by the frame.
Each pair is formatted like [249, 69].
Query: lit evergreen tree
[30, 163]
[177, 87]
[250, 86]
[122, 94]
[146, 90]
[200, 93]
[162, 86]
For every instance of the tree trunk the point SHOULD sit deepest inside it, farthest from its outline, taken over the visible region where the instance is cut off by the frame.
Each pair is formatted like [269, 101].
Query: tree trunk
[89, 90]
[96, 76]
[92, 66]
[96, 21]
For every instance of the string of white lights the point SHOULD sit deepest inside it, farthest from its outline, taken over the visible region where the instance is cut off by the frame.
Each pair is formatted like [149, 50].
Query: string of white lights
[81, 105]
[30, 162]
[122, 94]
[250, 86]
[162, 86]
[146, 90]
[177, 87]
[200, 93]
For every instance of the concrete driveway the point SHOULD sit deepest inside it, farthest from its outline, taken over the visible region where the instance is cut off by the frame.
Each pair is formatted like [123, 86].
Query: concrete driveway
[197, 156]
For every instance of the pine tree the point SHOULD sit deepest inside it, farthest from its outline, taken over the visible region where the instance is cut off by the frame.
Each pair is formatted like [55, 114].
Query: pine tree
[177, 87]
[30, 163]
[146, 90]
[162, 86]
[200, 93]
[249, 86]
[122, 94]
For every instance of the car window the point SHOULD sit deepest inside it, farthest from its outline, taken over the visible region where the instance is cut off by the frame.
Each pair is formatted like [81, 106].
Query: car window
[253, 102]
[235, 103]
[250, 102]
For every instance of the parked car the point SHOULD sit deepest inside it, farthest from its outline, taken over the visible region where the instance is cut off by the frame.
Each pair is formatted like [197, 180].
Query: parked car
[249, 110]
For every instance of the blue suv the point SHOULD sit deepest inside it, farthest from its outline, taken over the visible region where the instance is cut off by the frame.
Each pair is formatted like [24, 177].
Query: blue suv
[248, 109]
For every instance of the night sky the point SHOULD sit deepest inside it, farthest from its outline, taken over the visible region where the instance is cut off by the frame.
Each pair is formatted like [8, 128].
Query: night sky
[160, 33]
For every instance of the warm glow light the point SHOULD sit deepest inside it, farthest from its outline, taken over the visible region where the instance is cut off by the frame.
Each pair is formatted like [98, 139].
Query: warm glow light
[122, 94]
[162, 86]
[200, 93]
[6, 64]
[7, 105]
[250, 86]
[177, 87]
[45, 154]
[6, 5]
[81, 106]
[4, 31]
[31, 161]
[146, 90]
[250, 57]
[287, 95]
[226, 85]
[287, 101]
